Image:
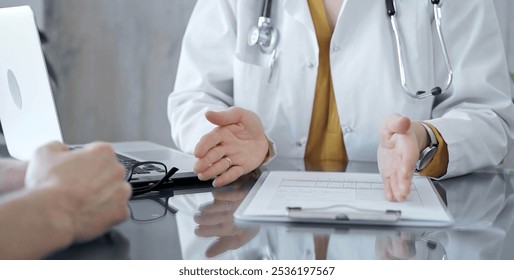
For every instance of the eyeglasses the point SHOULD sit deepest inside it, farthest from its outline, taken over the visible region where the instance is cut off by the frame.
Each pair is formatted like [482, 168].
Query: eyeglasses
[154, 183]
[152, 207]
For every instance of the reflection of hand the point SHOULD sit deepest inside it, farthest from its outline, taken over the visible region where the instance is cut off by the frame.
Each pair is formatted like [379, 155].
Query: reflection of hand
[398, 150]
[216, 220]
[400, 246]
[235, 147]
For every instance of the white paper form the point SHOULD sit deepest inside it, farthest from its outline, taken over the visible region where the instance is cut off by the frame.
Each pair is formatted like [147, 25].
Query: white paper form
[343, 192]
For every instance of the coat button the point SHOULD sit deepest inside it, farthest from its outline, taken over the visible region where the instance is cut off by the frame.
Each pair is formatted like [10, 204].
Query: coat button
[335, 48]
[347, 130]
[299, 144]
[311, 65]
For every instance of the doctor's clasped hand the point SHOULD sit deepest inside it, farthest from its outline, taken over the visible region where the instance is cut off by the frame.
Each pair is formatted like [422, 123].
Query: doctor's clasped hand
[234, 148]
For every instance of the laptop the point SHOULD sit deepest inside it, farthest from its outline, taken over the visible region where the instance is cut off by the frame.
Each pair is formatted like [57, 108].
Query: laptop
[27, 109]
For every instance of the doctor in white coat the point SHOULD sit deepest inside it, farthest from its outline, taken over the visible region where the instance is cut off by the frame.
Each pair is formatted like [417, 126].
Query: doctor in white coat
[234, 106]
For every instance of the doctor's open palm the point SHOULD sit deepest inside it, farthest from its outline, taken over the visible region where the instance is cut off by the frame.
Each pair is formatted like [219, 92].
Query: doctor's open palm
[237, 146]
[400, 143]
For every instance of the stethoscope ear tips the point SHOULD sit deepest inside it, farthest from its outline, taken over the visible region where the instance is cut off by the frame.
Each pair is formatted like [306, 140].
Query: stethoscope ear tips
[436, 91]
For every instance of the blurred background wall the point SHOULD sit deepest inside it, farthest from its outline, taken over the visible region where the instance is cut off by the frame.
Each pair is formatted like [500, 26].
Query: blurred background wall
[115, 62]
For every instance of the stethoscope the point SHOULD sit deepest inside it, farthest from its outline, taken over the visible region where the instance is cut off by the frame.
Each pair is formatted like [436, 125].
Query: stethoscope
[391, 12]
[266, 36]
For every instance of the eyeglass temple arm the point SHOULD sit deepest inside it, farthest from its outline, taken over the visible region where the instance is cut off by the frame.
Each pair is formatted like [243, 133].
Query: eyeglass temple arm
[168, 175]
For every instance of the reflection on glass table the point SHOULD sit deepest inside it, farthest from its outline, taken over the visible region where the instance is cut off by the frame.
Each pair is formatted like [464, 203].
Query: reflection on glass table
[151, 207]
[112, 245]
[215, 219]
[403, 246]
[482, 204]
[206, 223]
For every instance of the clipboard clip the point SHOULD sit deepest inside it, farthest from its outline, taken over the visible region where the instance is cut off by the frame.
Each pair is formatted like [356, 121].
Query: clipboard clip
[357, 215]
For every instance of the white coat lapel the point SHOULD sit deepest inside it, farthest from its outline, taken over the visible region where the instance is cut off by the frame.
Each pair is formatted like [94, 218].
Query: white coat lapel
[299, 10]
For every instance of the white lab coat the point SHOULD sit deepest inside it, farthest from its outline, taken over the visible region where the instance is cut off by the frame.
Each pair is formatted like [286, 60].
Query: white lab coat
[218, 69]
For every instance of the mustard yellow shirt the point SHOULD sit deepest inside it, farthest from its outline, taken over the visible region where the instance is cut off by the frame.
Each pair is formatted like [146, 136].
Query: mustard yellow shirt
[325, 146]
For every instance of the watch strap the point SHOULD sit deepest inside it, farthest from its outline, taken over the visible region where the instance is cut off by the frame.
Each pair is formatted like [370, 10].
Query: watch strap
[428, 152]
[431, 135]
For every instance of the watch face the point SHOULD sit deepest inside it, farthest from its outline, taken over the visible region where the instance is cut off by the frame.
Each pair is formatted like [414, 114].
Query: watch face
[426, 157]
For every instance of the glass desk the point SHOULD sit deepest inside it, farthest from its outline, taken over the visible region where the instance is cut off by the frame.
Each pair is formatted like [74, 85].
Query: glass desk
[482, 204]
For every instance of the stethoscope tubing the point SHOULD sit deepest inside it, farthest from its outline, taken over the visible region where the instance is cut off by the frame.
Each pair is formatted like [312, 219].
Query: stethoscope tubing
[436, 90]
[266, 36]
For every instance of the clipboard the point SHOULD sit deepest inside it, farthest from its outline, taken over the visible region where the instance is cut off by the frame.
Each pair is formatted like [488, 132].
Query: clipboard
[340, 198]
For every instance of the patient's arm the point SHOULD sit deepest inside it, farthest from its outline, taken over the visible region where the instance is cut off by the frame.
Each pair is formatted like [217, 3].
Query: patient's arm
[12, 174]
[32, 224]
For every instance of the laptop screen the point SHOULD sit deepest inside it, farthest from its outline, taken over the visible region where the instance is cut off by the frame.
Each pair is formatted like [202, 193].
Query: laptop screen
[27, 109]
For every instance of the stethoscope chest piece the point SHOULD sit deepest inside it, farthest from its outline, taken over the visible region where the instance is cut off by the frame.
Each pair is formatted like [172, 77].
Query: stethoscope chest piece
[264, 34]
